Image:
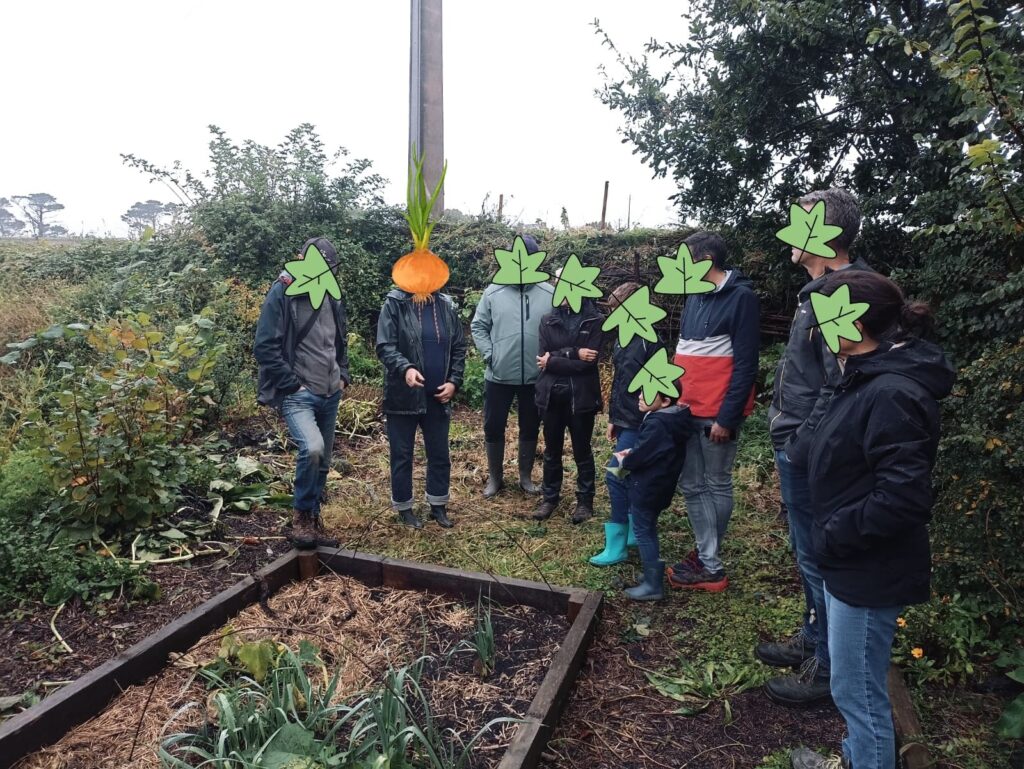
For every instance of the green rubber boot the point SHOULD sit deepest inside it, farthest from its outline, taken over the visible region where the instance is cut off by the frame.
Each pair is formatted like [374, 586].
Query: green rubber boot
[631, 537]
[614, 545]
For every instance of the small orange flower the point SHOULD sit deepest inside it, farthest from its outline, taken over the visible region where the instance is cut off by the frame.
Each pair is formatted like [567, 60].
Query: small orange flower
[917, 652]
[900, 622]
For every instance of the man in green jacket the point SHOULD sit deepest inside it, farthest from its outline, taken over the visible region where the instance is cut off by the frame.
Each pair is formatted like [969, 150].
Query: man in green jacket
[505, 330]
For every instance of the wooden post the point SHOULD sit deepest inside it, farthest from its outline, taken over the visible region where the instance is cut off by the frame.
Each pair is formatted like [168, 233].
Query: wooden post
[909, 738]
[426, 92]
[501, 205]
[629, 212]
[309, 564]
[604, 205]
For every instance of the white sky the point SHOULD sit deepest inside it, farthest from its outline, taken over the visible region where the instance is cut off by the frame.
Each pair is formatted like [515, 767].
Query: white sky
[92, 80]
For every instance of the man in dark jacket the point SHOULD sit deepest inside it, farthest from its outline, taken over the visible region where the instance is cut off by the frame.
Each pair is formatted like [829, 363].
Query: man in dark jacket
[804, 381]
[569, 397]
[719, 336]
[505, 330]
[303, 369]
[423, 349]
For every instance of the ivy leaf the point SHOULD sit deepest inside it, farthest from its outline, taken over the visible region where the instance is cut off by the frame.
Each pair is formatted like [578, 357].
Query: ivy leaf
[808, 232]
[635, 317]
[312, 276]
[682, 275]
[835, 315]
[574, 283]
[657, 375]
[517, 267]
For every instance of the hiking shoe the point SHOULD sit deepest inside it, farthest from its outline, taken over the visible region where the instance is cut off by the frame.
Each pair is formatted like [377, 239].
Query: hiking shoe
[584, 512]
[791, 653]
[440, 514]
[408, 517]
[804, 758]
[699, 579]
[691, 562]
[806, 687]
[303, 537]
[320, 534]
[544, 511]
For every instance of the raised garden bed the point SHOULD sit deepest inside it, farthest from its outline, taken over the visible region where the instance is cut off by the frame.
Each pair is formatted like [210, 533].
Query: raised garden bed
[532, 622]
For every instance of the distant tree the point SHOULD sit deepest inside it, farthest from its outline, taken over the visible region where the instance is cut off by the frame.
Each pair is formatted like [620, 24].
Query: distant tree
[36, 208]
[150, 213]
[565, 219]
[10, 225]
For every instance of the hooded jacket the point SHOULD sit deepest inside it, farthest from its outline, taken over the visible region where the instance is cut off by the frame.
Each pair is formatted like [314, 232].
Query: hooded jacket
[719, 336]
[505, 330]
[563, 334]
[657, 458]
[277, 341]
[623, 408]
[871, 459]
[400, 347]
[806, 372]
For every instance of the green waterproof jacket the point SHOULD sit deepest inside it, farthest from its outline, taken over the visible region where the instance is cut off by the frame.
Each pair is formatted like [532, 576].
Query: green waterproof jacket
[400, 347]
[505, 330]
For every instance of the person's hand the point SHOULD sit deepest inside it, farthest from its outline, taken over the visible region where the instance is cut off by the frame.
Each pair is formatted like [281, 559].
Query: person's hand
[620, 455]
[445, 392]
[588, 355]
[542, 360]
[413, 378]
[719, 434]
[610, 432]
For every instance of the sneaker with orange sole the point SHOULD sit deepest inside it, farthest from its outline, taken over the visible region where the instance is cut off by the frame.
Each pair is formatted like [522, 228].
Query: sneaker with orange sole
[698, 579]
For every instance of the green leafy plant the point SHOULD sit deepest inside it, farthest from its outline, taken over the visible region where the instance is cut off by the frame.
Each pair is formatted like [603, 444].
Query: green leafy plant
[657, 375]
[681, 275]
[698, 686]
[835, 315]
[808, 232]
[575, 283]
[518, 267]
[483, 639]
[313, 277]
[635, 317]
[1011, 721]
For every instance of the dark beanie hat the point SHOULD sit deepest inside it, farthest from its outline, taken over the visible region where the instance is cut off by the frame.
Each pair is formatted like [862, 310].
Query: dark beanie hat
[325, 247]
[531, 244]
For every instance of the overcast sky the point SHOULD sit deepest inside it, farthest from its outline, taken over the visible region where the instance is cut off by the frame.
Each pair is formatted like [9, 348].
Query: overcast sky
[92, 80]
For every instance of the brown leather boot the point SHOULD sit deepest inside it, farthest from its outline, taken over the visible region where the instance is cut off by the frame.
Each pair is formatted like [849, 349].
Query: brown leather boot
[303, 535]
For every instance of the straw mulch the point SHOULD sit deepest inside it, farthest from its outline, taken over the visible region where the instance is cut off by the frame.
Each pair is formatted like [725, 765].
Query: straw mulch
[359, 631]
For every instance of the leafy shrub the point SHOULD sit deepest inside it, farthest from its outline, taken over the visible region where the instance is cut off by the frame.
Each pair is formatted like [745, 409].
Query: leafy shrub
[364, 367]
[472, 391]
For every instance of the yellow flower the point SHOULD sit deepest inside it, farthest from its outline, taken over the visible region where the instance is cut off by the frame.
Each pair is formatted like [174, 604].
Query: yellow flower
[901, 622]
[917, 652]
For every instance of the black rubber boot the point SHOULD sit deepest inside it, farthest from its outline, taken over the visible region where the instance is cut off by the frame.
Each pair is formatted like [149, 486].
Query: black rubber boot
[408, 517]
[440, 514]
[495, 472]
[527, 457]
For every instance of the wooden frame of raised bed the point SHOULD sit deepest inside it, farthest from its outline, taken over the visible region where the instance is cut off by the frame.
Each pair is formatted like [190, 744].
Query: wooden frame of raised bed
[50, 720]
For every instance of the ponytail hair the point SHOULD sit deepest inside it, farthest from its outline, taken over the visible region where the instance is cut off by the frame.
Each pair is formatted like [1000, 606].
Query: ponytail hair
[890, 316]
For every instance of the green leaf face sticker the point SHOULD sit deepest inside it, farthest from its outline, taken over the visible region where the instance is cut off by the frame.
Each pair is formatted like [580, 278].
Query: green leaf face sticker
[835, 315]
[635, 317]
[517, 267]
[312, 276]
[657, 375]
[808, 232]
[681, 275]
[575, 283]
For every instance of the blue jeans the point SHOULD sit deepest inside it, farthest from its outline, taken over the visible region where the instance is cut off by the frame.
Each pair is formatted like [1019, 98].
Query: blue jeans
[796, 494]
[645, 527]
[311, 420]
[860, 640]
[402, 440]
[706, 482]
[618, 490]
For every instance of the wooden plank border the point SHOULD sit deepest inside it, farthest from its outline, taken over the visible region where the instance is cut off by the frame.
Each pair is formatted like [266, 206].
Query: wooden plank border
[47, 722]
[913, 750]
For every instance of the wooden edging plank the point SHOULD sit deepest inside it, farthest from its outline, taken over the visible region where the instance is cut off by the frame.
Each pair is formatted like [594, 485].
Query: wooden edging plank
[526, 747]
[909, 737]
[51, 719]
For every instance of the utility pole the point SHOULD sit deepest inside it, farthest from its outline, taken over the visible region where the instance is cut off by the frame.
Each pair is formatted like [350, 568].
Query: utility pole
[604, 205]
[426, 91]
[629, 212]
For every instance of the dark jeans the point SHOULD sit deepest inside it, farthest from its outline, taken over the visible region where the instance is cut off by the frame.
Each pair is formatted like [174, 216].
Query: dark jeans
[311, 420]
[498, 402]
[557, 419]
[645, 527]
[618, 490]
[402, 442]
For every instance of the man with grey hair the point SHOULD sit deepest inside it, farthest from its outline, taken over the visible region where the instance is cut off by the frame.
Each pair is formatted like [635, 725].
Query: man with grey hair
[804, 382]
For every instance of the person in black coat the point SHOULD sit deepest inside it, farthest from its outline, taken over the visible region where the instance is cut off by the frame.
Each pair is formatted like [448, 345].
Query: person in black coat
[870, 458]
[568, 394]
[651, 469]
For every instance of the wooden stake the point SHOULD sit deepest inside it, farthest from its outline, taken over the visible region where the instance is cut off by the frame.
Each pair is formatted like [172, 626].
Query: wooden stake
[604, 205]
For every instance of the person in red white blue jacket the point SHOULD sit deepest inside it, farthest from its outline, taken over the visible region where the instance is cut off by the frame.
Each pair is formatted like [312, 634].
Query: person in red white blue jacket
[719, 335]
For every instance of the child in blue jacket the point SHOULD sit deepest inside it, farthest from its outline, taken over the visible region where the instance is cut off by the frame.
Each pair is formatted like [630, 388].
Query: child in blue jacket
[654, 464]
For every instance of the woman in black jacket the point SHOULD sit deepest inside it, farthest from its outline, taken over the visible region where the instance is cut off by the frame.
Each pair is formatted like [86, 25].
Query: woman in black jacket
[568, 394]
[870, 460]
